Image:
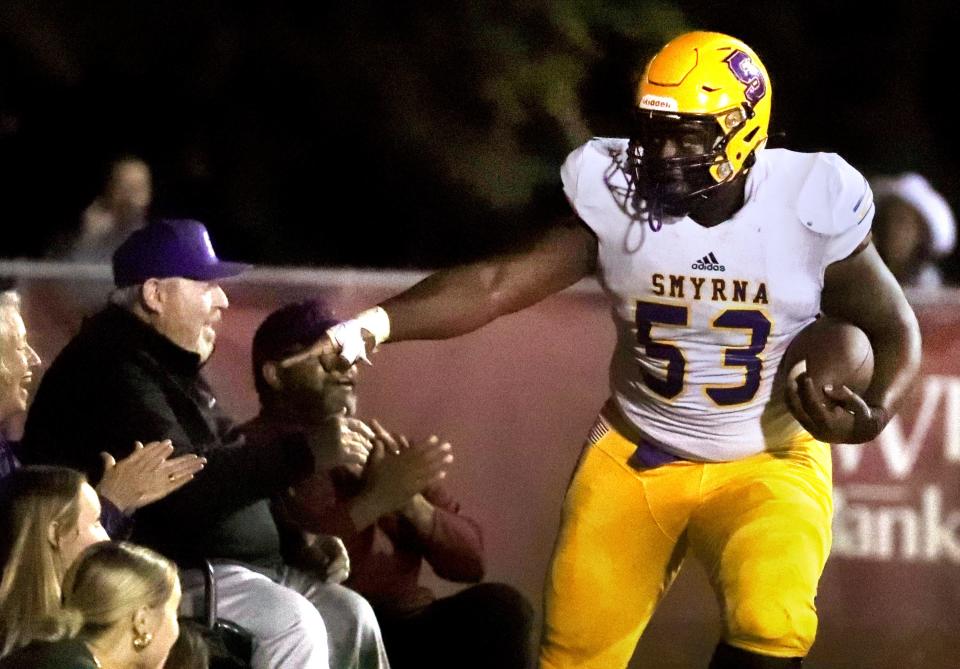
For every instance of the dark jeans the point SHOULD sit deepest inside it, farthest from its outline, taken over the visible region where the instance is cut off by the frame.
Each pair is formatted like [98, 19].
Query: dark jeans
[487, 625]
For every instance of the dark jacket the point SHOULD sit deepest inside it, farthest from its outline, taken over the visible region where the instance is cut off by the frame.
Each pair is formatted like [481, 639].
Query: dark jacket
[119, 381]
[64, 654]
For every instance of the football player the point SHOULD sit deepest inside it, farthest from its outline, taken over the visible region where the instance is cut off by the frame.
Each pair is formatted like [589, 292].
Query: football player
[714, 252]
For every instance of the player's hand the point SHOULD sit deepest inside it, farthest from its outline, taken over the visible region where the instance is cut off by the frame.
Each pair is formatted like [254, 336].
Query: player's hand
[834, 415]
[146, 475]
[341, 441]
[324, 348]
[339, 348]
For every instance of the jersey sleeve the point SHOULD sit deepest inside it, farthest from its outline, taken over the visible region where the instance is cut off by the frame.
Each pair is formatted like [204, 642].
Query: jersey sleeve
[837, 203]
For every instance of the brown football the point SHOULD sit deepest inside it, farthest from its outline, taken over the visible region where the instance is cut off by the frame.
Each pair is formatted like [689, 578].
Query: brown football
[836, 352]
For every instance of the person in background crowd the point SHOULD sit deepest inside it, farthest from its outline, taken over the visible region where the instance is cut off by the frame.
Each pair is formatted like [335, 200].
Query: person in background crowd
[391, 510]
[119, 612]
[49, 516]
[121, 208]
[146, 475]
[913, 228]
[146, 350]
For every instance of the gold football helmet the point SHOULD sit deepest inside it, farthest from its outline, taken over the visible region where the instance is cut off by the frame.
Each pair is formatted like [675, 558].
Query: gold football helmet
[702, 111]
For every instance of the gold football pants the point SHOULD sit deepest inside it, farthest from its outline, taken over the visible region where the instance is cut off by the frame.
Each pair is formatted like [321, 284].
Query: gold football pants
[760, 526]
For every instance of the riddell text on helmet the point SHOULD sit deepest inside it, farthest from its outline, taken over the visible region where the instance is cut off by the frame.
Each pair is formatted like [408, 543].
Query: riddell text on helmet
[650, 101]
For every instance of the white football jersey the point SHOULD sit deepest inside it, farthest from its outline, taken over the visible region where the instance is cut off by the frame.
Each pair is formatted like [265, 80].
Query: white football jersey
[704, 315]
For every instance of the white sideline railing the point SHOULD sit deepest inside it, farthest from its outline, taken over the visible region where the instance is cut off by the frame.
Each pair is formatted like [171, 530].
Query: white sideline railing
[290, 276]
[369, 277]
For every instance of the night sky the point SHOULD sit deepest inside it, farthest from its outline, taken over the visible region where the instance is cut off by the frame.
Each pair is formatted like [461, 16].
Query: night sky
[370, 134]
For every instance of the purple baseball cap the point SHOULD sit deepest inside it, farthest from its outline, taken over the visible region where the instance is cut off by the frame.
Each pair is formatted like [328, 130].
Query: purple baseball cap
[288, 331]
[291, 329]
[168, 248]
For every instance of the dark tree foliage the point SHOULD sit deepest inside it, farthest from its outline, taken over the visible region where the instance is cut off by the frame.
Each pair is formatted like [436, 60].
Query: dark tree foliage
[414, 134]
[391, 134]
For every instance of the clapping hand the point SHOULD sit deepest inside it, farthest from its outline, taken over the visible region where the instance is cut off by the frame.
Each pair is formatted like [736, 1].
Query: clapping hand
[398, 469]
[146, 475]
[341, 441]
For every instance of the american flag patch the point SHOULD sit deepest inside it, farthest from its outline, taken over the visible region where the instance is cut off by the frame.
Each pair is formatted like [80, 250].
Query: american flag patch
[864, 205]
[598, 431]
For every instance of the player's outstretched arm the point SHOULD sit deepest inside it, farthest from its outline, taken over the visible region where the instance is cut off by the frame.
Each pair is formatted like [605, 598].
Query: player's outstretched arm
[455, 301]
[861, 290]
[459, 300]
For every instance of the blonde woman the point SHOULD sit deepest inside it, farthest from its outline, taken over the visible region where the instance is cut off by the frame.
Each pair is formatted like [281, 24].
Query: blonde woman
[145, 476]
[50, 515]
[119, 612]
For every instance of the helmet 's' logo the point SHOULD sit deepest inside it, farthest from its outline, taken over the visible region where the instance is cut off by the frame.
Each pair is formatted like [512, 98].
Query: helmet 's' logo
[658, 102]
[748, 74]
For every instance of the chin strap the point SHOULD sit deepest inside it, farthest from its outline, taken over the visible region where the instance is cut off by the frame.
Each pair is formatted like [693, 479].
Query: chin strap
[655, 218]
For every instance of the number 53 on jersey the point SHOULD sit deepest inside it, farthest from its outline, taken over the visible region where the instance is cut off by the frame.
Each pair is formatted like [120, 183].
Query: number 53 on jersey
[752, 321]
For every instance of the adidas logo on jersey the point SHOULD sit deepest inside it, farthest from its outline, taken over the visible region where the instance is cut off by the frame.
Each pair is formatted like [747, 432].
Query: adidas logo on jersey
[709, 262]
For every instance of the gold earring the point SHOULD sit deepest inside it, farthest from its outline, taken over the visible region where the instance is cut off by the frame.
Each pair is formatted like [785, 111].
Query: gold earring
[141, 641]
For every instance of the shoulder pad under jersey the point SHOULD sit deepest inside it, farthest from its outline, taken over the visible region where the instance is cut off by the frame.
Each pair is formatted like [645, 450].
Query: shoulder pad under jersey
[834, 197]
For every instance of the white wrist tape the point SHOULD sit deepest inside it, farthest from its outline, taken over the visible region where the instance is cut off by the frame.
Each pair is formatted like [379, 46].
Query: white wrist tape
[376, 322]
[349, 340]
[348, 335]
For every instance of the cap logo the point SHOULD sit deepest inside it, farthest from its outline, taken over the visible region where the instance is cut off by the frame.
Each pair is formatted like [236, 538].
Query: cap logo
[659, 103]
[208, 245]
[748, 74]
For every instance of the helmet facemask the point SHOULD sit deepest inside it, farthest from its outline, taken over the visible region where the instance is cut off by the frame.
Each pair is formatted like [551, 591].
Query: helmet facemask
[674, 158]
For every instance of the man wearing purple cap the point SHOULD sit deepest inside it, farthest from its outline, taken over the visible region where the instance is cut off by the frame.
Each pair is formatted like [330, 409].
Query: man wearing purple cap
[133, 372]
